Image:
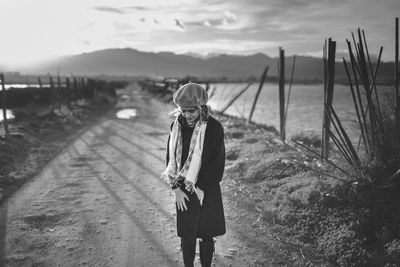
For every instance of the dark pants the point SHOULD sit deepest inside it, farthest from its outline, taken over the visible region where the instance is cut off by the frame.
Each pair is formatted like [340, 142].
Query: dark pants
[189, 251]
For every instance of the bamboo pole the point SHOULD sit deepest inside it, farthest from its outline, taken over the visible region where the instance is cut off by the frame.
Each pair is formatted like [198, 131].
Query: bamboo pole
[345, 135]
[397, 72]
[328, 96]
[236, 97]
[290, 90]
[363, 134]
[68, 92]
[4, 104]
[282, 93]
[212, 92]
[325, 66]
[366, 84]
[264, 75]
[363, 123]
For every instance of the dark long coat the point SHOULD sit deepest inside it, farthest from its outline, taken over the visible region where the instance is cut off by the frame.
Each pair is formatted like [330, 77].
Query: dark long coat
[207, 220]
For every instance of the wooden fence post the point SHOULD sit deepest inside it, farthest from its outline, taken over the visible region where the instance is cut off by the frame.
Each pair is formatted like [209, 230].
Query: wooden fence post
[68, 92]
[282, 93]
[52, 94]
[264, 75]
[84, 89]
[60, 93]
[40, 83]
[328, 95]
[4, 104]
[76, 95]
[236, 97]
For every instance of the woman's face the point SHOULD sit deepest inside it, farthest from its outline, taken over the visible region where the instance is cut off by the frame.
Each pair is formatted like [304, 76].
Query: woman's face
[191, 115]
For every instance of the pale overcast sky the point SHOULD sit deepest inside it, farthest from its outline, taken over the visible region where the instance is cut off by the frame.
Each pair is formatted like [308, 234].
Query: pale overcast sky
[34, 30]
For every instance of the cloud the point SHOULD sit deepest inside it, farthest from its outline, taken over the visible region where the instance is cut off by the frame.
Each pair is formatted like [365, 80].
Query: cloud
[139, 8]
[218, 46]
[109, 9]
[230, 16]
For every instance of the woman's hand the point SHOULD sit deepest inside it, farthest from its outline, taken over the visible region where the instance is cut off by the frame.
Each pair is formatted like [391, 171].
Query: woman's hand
[180, 197]
[200, 195]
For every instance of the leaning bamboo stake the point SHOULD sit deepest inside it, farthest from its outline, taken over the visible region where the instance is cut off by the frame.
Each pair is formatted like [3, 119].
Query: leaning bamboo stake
[366, 83]
[339, 145]
[363, 134]
[373, 81]
[363, 123]
[264, 75]
[326, 159]
[4, 104]
[236, 97]
[212, 93]
[397, 73]
[339, 135]
[282, 93]
[289, 92]
[345, 135]
[348, 149]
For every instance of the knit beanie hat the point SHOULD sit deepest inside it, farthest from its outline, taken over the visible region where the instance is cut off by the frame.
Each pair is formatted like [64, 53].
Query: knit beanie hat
[190, 95]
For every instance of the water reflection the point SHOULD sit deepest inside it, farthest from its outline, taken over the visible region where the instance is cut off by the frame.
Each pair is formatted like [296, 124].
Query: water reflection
[126, 113]
[9, 114]
[23, 86]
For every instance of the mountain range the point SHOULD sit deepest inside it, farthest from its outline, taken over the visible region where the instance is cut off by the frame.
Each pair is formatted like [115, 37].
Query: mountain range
[131, 62]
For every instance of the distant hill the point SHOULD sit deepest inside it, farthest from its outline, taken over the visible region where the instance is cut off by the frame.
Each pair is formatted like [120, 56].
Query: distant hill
[132, 62]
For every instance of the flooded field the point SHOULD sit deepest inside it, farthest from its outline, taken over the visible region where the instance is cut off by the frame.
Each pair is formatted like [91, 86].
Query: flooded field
[305, 110]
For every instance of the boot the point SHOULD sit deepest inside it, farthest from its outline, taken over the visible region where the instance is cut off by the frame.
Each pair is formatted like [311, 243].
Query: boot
[206, 253]
[188, 251]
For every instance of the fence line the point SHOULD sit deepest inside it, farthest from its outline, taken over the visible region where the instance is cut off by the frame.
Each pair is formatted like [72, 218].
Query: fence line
[264, 75]
[55, 96]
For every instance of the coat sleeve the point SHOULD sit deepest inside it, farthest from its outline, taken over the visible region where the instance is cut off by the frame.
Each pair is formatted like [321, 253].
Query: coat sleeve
[213, 166]
[167, 153]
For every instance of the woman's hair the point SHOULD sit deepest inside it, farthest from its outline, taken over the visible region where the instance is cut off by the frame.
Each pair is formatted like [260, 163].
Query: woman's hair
[205, 111]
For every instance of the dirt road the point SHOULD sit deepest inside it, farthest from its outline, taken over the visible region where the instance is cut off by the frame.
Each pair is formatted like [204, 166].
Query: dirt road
[101, 202]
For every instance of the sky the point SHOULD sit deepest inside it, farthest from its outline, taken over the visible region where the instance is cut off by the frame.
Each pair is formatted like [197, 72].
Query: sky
[37, 30]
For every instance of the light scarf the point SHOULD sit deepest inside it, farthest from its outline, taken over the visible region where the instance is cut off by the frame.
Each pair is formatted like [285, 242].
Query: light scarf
[173, 174]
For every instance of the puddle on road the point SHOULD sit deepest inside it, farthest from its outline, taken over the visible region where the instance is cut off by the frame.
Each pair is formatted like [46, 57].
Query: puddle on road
[126, 113]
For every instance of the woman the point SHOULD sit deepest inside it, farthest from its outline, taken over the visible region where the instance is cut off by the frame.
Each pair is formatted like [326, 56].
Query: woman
[195, 165]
